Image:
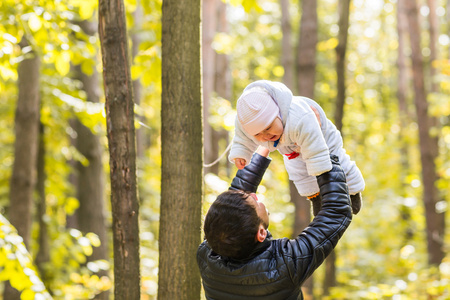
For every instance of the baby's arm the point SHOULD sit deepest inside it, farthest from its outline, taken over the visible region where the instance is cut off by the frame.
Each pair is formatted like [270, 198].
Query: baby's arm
[242, 148]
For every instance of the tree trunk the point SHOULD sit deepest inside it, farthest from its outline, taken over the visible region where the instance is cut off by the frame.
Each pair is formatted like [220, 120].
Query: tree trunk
[302, 218]
[222, 84]
[435, 221]
[287, 56]
[122, 148]
[306, 71]
[209, 24]
[137, 86]
[434, 33]
[23, 176]
[306, 54]
[181, 151]
[43, 254]
[344, 14]
[90, 181]
[402, 30]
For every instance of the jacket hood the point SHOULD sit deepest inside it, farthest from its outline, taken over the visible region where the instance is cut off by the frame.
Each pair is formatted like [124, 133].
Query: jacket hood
[279, 92]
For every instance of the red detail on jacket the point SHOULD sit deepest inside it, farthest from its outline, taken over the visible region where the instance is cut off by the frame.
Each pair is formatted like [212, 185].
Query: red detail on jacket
[292, 155]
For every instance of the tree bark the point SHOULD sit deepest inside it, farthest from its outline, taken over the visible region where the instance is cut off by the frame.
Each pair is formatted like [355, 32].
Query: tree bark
[287, 56]
[23, 176]
[306, 79]
[43, 254]
[137, 86]
[181, 151]
[306, 54]
[403, 113]
[122, 148]
[435, 221]
[209, 25]
[434, 32]
[90, 181]
[222, 84]
[341, 49]
[302, 218]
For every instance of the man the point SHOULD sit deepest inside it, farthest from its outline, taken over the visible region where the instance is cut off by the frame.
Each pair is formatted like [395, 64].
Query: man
[240, 260]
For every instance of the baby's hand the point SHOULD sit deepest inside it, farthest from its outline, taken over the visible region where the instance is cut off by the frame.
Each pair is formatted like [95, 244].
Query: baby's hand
[240, 163]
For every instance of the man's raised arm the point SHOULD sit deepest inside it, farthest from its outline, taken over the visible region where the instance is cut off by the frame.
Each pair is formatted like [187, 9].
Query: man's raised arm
[249, 178]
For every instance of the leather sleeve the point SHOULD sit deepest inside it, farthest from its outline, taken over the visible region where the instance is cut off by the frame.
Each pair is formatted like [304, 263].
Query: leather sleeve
[249, 178]
[304, 254]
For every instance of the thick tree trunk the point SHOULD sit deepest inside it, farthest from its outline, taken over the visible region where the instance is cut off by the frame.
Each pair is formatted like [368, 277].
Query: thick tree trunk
[23, 176]
[181, 151]
[435, 221]
[341, 49]
[122, 148]
[306, 54]
[306, 79]
[209, 24]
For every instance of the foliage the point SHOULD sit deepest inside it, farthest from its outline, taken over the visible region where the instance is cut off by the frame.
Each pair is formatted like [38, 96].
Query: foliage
[383, 253]
[16, 264]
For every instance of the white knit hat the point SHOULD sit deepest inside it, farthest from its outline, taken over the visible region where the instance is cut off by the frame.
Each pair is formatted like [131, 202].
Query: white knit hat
[256, 110]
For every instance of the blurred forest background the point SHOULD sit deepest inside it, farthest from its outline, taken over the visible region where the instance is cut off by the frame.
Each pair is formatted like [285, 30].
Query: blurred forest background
[379, 68]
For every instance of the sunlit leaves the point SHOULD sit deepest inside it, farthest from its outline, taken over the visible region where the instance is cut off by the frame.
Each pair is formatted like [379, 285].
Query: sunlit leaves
[16, 264]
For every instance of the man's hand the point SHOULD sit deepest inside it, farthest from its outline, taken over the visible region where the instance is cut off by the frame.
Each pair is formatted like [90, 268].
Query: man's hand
[240, 163]
[263, 151]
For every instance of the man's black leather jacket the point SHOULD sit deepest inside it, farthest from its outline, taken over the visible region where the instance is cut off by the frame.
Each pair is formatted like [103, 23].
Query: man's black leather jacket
[278, 267]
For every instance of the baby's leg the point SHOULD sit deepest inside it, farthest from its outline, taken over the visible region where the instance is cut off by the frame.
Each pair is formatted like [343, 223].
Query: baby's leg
[355, 180]
[306, 184]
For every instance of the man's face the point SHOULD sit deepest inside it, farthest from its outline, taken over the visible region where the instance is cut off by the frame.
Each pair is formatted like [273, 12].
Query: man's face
[261, 209]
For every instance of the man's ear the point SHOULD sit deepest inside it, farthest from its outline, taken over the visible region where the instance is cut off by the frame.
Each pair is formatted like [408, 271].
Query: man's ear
[261, 234]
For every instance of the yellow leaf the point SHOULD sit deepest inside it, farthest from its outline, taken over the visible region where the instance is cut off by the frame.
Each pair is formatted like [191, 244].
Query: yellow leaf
[27, 294]
[34, 22]
[62, 63]
[87, 66]
[93, 238]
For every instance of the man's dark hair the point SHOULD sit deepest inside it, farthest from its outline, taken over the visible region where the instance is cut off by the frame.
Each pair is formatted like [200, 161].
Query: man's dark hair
[231, 225]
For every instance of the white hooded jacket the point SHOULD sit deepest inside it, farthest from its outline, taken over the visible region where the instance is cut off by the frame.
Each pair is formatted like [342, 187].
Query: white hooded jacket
[305, 144]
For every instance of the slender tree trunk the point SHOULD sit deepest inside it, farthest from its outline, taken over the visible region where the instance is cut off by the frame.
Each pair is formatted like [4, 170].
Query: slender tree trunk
[209, 25]
[402, 30]
[341, 49]
[122, 148]
[43, 254]
[137, 86]
[222, 84]
[287, 55]
[344, 14]
[90, 181]
[23, 176]
[434, 32]
[181, 151]
[302, 218]
[306, 79]
[435, 221]
[306, 54]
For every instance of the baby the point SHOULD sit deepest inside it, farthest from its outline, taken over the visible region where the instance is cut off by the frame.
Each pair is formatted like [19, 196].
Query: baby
[269, 115]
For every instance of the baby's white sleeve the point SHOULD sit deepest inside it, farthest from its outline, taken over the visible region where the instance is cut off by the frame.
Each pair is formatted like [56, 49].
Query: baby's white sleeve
[242, 147]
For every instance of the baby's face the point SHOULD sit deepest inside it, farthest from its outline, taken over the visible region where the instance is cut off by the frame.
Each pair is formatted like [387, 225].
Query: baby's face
[272, 133]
